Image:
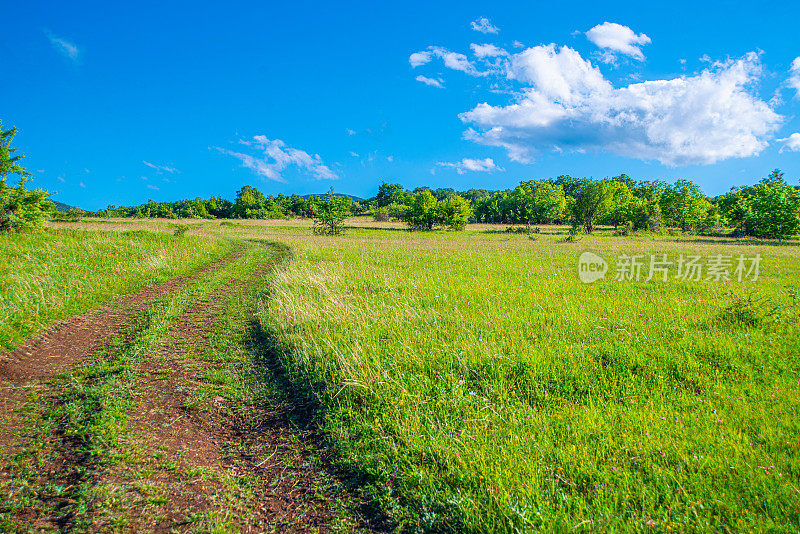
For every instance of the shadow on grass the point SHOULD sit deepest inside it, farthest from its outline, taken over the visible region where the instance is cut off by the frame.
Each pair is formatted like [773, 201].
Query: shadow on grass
[300, 406]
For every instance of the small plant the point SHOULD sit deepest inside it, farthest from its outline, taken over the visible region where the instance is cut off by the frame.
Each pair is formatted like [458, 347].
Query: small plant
[752, 310]
[573, 236]
[181, 229]
[227, 224]
[381, 214]
[330, 215]
[624, 230]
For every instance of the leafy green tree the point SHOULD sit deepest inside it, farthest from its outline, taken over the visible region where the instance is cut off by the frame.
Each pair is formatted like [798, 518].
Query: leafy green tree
[591, 203]
[621, 206]
[684, 205]
[20, 208]
[539, 202]
[331, 212]
[774, 208]
[455, 212]
[388, 194]
[423, 211]
[248, 200]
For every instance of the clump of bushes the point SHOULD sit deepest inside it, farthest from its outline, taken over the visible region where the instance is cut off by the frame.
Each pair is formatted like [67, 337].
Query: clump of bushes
[425, 212]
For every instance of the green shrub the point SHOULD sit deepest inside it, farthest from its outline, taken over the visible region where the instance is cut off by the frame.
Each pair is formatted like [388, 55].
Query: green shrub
[181, 229]
[20, 208]
[330, 215]
[381, 214]
[426, 212]
[624, 230]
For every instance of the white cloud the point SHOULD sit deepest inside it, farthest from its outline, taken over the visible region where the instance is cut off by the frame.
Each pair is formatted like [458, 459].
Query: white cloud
[568, 104]
[487, 50]
[452, 60]
[276, 157]
[350, 131]
[160, 168]
[791, 143]
[618, 38]
[153, 187]
[473, 165]
[430, 81]
[82, 184]
[794, 75]
[419, 58]
[484, 26]
[63, 46]
[354, 154]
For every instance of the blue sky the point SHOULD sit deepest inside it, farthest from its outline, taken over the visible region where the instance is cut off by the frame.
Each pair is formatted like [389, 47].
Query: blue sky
[121, 102]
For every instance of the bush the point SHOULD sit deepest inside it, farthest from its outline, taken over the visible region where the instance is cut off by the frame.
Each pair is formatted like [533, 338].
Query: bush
[455, 212]
[20, 209]
[381, 214]
[573, 236]
[624, 230]
[330, 215]
[426, 212]
[181, 229]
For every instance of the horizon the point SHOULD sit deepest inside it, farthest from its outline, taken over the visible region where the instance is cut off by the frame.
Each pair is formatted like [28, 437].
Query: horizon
[117, 105]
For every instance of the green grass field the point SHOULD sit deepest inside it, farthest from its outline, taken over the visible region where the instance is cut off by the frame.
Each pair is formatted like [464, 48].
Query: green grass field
[46, 276]
[472, 383]
[482, 387]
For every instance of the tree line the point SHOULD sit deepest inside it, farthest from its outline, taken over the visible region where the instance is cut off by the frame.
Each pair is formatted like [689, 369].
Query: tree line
[770, 208]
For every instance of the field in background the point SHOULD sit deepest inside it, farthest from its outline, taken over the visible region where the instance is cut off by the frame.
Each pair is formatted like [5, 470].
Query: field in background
[478, 385]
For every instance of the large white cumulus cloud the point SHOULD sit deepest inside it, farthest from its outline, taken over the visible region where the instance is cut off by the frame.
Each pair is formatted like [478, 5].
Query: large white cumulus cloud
[565, 103]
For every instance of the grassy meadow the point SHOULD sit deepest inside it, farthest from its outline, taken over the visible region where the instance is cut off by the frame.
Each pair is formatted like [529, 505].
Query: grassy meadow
[480, 386]
[470, 382]
[50, 275]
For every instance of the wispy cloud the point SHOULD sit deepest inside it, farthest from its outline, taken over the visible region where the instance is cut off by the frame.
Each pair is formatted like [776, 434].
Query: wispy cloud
[62, 46]
[161, 168]
[794, 75]
[419, 58]
[484, 26]
[791, 143]
[275, 157]
[472, 165]
[430, 81]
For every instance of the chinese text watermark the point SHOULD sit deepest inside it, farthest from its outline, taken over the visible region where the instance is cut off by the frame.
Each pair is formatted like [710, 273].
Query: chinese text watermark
[663, 267]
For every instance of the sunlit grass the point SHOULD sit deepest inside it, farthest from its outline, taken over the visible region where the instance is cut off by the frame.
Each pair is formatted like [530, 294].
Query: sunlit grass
[482, 386]
[50, 275]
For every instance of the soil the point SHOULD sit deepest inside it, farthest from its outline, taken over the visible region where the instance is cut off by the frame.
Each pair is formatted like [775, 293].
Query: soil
[211, 443]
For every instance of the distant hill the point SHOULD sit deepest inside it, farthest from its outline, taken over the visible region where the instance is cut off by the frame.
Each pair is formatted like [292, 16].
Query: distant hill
[357, 199]
[63, 208]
